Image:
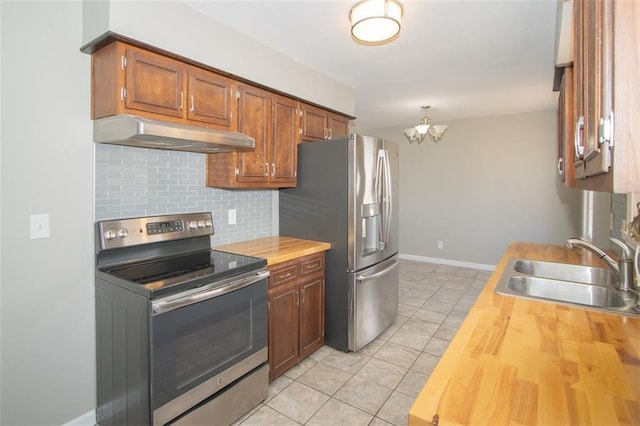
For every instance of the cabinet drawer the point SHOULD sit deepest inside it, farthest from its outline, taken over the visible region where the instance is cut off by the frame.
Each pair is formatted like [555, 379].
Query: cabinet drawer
[282, 274]
[311, 264]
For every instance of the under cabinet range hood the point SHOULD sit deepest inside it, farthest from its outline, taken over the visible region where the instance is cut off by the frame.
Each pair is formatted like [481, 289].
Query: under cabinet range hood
[131, 130]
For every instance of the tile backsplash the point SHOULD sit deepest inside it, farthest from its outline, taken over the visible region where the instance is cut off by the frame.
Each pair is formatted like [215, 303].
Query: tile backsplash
[132, 182]
[619, 212]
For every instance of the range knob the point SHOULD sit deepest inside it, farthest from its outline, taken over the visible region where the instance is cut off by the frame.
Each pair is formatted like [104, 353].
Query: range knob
[192, 224]
[201, 224]
[208, 223]
[123, 233]
[109, 234]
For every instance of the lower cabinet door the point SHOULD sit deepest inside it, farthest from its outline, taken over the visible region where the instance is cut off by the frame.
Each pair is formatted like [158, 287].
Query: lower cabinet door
[311, 316]
[283, 329]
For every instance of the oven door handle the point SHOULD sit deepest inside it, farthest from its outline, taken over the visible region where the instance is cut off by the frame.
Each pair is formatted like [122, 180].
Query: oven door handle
[169, 303]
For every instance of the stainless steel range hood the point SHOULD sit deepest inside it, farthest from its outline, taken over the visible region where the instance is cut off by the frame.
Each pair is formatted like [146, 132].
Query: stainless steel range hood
[142, 132]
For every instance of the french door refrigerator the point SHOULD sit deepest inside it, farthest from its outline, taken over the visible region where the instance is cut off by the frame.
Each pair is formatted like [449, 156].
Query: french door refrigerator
[347, 194]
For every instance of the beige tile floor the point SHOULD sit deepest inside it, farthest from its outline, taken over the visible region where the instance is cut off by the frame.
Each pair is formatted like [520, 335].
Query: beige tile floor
[378, 384]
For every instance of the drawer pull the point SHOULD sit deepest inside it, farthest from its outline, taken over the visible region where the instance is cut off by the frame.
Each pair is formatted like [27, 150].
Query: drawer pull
[312, 266]
[287, 275]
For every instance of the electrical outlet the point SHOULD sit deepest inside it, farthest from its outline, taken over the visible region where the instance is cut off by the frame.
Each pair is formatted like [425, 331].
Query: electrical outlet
[232, 216]
[39, 226]
[440, 245]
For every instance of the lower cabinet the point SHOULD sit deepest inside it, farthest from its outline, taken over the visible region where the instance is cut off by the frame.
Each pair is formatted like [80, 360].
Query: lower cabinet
[296, 311]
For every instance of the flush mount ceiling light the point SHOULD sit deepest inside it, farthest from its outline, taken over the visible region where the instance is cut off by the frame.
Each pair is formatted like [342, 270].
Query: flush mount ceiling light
[375, 22]
[417, 133]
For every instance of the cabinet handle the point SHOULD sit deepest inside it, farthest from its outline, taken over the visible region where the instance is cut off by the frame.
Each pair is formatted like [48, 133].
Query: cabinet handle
[303, 296]
[266, 169]
[312, 267]
[287, 275]
[193, 106]
[273, 169]
[605, 130]
[577, 139]
[330, 133]
[325, 134]
[297, 298]
[181, 100]
[560, 166]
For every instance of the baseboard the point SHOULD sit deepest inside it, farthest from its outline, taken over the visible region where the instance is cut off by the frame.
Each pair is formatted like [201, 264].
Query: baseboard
[448, 262]
[87, 419]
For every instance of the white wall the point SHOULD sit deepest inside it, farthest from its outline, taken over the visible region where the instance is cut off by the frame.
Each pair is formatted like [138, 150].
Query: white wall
[197, 37]
[490, 181]
[47, 305]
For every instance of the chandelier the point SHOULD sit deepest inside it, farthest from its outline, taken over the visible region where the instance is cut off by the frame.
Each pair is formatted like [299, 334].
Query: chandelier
[417, 133]
[375, 22]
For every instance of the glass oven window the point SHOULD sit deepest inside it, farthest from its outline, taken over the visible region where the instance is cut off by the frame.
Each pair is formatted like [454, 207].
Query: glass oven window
[200, 341]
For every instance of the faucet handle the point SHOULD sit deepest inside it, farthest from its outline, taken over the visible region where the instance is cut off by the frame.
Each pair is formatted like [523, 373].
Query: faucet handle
[626, 251]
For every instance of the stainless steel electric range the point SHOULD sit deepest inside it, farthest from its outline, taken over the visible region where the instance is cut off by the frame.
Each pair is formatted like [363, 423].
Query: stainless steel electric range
[181, 328]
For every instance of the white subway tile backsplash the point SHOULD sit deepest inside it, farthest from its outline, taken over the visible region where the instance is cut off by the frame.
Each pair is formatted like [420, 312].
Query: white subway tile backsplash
[141, 182]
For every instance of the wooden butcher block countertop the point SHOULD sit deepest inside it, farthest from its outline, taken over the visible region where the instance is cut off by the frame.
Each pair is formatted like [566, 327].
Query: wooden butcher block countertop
[276, 249]
[522, 362]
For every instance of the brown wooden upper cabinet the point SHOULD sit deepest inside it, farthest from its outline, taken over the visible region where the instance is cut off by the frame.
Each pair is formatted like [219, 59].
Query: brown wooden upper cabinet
[565, 128]
[318, 124]
[128, 79]
[131, 80]
[272, 120]
[607, 109]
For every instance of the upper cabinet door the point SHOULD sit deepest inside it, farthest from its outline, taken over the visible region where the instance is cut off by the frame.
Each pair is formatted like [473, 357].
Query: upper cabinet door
[599, 86]
[284, 140]
[211, 98]
[154, 83]
[253, 120]
[314, 123]
[593, 84]
[338, 126]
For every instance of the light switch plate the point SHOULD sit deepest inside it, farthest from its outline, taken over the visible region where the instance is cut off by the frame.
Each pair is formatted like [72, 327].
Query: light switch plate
[232, 216]
[39, 226]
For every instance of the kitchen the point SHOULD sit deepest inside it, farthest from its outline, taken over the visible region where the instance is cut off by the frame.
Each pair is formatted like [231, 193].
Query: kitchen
[48, 167]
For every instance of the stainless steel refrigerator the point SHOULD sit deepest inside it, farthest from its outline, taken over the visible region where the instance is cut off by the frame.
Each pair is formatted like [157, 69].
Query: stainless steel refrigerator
[347, 195]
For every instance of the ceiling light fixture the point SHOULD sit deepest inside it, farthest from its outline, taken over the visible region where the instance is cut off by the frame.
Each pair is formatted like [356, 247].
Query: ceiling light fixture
[375, 22]
[417, 133]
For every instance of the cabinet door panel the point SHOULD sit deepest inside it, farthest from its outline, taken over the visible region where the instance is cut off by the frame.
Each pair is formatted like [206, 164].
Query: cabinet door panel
[211, 98]
[283, 329]
[284, 140]
[314, 123]
[311, 315]
[253, 120]
[338, 126]
[154, 83]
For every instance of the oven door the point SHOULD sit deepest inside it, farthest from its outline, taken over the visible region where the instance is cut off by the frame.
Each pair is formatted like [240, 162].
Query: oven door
[205, 339]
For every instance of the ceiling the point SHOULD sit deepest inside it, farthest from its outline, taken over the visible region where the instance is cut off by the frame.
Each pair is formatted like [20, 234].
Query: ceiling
[466, 59]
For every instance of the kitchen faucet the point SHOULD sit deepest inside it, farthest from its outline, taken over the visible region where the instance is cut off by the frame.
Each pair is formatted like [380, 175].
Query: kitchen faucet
[623, 269]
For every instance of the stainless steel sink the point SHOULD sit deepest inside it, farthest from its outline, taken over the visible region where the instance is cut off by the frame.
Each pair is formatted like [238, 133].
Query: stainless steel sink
[576, 285]
[566, 291]
[566, 271]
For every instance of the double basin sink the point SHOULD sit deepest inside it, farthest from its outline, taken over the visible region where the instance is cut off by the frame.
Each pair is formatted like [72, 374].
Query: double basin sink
[578, 285]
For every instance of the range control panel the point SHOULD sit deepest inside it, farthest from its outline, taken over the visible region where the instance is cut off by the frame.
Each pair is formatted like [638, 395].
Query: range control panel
[152, 229]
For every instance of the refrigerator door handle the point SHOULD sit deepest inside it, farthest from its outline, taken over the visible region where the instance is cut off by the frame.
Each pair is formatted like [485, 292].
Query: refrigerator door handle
[380, 194]
[377, 274]
[388, 197]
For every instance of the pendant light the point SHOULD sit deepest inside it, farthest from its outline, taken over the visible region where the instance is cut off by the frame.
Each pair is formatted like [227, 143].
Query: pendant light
[417, 133]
